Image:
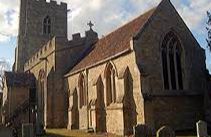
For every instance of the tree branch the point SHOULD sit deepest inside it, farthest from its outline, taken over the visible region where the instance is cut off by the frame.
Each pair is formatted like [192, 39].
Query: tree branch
[208, 31]
[4, 66]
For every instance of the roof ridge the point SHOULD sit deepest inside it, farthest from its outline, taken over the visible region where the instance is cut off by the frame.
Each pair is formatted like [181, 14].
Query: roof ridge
[115, 42]
[131, 21]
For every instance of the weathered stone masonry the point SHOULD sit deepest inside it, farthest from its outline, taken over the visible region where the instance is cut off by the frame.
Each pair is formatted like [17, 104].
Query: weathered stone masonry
[150, 71]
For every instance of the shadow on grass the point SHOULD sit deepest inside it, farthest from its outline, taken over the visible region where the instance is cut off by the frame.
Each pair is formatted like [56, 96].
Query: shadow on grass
[187, 133]
[54, 135]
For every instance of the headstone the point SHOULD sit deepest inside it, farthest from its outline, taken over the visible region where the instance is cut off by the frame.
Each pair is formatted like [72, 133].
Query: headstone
[27, 130]
[90, 130]
[201, 127]
[142, 131]
[165, 131]
[5, 132]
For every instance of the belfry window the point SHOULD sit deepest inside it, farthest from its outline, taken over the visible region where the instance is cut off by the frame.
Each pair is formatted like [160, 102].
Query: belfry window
[82, 91]
[171, 61]
[110, 84]
[47, 25]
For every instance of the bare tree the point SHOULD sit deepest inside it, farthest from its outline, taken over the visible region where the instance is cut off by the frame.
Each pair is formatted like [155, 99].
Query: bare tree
[4, 66]
[209, 30]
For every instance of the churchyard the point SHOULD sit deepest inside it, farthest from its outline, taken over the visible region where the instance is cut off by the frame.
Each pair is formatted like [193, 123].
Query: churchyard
[76, 133]
[140, 131]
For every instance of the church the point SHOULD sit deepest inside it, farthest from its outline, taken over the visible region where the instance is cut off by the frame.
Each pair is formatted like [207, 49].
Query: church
[150, 71]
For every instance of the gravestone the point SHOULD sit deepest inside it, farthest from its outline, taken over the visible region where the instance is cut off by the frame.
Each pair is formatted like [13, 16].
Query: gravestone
[165, 131]
[90, 130]
[5, 132]
[142, 131]
[27, 130]
[201, 127]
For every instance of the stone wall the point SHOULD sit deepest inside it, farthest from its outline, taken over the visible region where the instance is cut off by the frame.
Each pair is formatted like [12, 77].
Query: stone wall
[31, 36]
[15, 96]
[148, 52]
[147, 46]
[114, 113]
[178, 112]
[55, 59]
[155, 103]
[44, 61]
[43, 52]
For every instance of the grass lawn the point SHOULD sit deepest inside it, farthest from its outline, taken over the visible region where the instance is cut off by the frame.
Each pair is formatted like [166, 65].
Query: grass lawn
[72, 133]
[77, 133]
[186, 136]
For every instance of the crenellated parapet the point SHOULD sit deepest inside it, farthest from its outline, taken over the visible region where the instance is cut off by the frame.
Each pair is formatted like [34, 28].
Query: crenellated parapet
[76, 40]
[33, 32]
[89, 37]
[61, 44]
[52, 3]
[43, 52]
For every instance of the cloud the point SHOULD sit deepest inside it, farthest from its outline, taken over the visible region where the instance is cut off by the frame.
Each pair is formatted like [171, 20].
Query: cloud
[106, 14]
[8, 19]
[109, 15]
[3, 38]
[194, 13]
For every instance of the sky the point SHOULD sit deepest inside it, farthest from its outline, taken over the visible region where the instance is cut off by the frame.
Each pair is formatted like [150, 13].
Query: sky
[107, 15]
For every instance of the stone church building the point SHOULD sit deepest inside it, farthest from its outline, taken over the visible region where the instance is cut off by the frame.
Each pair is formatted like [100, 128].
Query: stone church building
[150, 71]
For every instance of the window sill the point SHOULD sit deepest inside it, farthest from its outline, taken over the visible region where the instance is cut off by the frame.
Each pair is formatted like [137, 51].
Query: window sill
[115, 105]
[83, 107]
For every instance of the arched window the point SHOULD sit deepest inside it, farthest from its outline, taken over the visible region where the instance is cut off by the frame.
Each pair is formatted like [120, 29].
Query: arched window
[47, 25]
[82, 91]
[110, 84]
[171, 61]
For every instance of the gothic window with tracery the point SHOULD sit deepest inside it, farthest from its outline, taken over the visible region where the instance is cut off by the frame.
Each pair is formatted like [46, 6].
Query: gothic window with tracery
[47, 25]
[82, 91]
[110, 84]
[171, 61]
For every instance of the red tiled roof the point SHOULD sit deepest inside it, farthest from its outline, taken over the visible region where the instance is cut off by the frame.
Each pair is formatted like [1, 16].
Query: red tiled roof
[19, 79]
[114, 43]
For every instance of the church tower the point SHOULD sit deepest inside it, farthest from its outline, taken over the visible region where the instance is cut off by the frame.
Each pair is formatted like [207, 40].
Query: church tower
[39, 22]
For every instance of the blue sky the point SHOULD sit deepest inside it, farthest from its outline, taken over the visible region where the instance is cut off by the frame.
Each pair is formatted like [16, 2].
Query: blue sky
[107, 15]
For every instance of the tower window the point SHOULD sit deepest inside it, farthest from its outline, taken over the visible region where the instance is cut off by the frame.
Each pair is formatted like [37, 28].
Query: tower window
[171, 61]
[47, 25]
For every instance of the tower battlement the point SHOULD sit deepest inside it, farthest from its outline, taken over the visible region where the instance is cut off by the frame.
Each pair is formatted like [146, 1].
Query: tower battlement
[46, 50]
[40, 21]
[52, 3]
[77, 39]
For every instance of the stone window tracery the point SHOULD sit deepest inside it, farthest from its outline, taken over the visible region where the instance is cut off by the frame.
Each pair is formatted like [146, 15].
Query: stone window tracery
[110, 84]
[171, 62]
